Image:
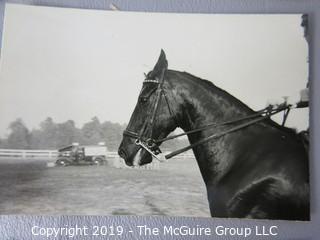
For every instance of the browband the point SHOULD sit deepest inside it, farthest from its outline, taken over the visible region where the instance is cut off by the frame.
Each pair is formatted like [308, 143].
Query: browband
[150, 80]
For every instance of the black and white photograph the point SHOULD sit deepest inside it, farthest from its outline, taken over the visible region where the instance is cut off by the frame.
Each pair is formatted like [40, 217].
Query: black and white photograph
[138, 113]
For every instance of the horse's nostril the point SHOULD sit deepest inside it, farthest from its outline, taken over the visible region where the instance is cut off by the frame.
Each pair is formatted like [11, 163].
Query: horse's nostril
[122, 153]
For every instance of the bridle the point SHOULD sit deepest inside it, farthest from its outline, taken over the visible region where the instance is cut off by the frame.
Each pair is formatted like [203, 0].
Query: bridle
[151, 145]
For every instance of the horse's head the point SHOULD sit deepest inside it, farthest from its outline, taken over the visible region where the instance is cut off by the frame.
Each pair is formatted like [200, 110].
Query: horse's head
[153, 117]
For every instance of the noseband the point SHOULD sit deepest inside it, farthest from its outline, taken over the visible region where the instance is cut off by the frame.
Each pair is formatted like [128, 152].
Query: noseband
[151, 145]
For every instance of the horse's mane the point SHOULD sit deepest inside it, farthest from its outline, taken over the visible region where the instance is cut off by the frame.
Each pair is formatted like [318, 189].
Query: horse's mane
[213, 88]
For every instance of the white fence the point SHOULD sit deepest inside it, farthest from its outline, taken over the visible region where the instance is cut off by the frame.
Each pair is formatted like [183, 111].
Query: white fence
[25, 153]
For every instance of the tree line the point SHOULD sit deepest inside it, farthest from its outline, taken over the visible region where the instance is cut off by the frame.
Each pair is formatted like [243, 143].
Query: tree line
[52, 135]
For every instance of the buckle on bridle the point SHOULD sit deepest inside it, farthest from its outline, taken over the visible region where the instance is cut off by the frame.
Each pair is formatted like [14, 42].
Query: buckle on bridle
[150, 146]
[153, 146]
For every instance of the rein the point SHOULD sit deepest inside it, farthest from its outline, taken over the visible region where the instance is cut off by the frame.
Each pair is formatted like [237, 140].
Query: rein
[151, 145]
[218, 135]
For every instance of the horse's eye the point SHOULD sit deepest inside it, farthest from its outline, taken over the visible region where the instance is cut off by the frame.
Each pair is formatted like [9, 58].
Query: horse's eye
[143, 99]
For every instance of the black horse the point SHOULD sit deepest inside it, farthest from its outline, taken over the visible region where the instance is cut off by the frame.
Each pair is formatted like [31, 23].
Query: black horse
[257, 171]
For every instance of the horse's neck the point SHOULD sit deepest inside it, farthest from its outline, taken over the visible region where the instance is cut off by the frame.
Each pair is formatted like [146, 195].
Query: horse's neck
[204, 106]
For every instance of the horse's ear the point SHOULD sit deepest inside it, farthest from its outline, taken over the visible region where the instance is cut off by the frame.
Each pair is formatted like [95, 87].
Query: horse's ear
[161, 65]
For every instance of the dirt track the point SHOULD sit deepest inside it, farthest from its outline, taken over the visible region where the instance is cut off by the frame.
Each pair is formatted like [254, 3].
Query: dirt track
[30, 187]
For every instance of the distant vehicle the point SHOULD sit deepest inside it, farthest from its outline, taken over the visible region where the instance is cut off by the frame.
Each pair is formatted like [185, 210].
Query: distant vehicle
[82, 155]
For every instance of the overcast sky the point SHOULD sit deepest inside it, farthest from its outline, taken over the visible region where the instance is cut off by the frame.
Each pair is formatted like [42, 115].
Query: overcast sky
[76, 64]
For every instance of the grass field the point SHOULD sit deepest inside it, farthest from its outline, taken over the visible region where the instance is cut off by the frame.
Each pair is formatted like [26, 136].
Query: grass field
[30, 187]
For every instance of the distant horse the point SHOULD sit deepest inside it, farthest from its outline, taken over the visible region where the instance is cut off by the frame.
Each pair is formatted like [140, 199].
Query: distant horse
[255, 169]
